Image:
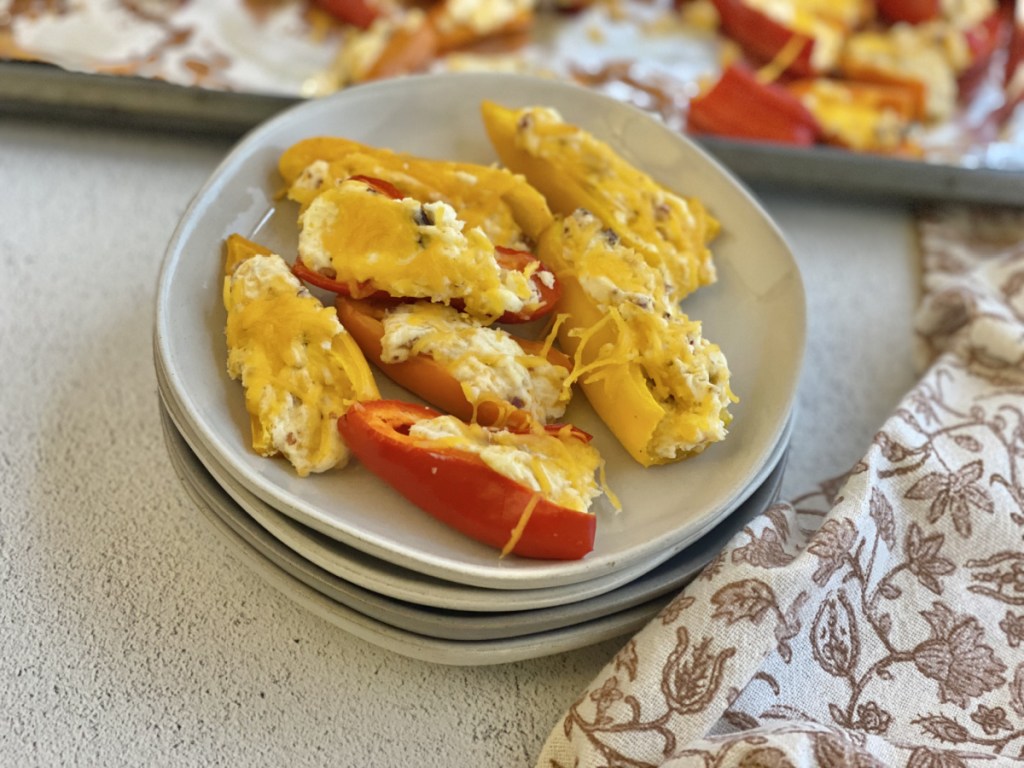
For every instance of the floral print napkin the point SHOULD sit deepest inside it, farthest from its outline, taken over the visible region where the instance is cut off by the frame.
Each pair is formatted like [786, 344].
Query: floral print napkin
[878, 621]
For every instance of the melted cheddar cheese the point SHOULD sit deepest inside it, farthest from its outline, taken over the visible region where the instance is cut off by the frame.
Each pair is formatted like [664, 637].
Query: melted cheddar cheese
[574, 169]
[562, 470]
[362, 50]
[300, 369]
[931, 54]
[482, 17]
[847, 13]
[408, 248]
[856, 123]
[487, 361]
[463, 191]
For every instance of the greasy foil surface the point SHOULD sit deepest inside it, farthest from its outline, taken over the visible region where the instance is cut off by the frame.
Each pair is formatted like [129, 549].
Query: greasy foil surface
[644, 52]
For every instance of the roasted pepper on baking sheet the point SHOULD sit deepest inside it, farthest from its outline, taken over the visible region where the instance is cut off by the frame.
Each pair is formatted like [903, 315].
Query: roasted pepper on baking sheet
[459, 23]
[369, 241]
[358, 13]
[407, 38]
[940, 57]
[910, 11]
[738, 105]
[525, 492]
[645, 367]
[300, 369]
[475, 372]
[573, 169]
[867, 117]
[804, 37]
[936, 52]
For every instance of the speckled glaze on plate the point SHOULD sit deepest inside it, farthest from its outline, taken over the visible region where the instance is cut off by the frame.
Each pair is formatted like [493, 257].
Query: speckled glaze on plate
[755, 313]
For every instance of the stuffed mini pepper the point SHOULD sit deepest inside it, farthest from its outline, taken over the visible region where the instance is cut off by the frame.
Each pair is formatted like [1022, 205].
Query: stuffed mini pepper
[626, 251]
[526, 492]
[573, 169]
[644, 365]
[364, 238]
[300, 369]
[474, 371]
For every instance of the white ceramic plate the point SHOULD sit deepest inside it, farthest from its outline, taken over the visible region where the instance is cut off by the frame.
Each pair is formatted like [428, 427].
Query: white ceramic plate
[385, 592]
[755, 312]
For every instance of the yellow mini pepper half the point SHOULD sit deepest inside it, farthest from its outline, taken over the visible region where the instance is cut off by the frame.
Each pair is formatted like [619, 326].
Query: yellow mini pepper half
[645, 368]
[300, 368]
[573, 169]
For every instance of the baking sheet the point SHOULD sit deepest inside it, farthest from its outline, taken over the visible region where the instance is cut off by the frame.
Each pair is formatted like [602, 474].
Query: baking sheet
[224, 66]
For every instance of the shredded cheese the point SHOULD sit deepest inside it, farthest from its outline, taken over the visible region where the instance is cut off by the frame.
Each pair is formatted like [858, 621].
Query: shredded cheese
[787, 54]
[558, 466]
[517, 532]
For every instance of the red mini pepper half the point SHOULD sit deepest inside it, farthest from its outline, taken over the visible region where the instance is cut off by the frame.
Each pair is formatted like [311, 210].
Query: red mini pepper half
[548, 289]
[359, 13]
[983, 40]
[739, 106]
[358, 291]
[762, 37]
[459, 489]
[524, 261]
[910, 11]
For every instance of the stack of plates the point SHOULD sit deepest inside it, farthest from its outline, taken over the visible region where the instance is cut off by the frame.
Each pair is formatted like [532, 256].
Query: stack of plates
[356, 553]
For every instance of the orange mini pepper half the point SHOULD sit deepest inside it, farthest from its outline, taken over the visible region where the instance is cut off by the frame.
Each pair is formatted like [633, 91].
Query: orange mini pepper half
[424, 376]
[868, 117]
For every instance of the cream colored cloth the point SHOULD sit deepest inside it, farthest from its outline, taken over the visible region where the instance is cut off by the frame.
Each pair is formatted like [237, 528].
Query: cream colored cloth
[879, 620]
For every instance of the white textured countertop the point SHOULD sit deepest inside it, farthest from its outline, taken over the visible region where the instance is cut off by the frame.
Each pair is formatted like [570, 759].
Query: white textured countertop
[132, 635]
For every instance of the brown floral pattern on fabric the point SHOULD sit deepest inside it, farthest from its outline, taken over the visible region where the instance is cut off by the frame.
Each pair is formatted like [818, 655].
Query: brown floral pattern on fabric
[878, 621]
